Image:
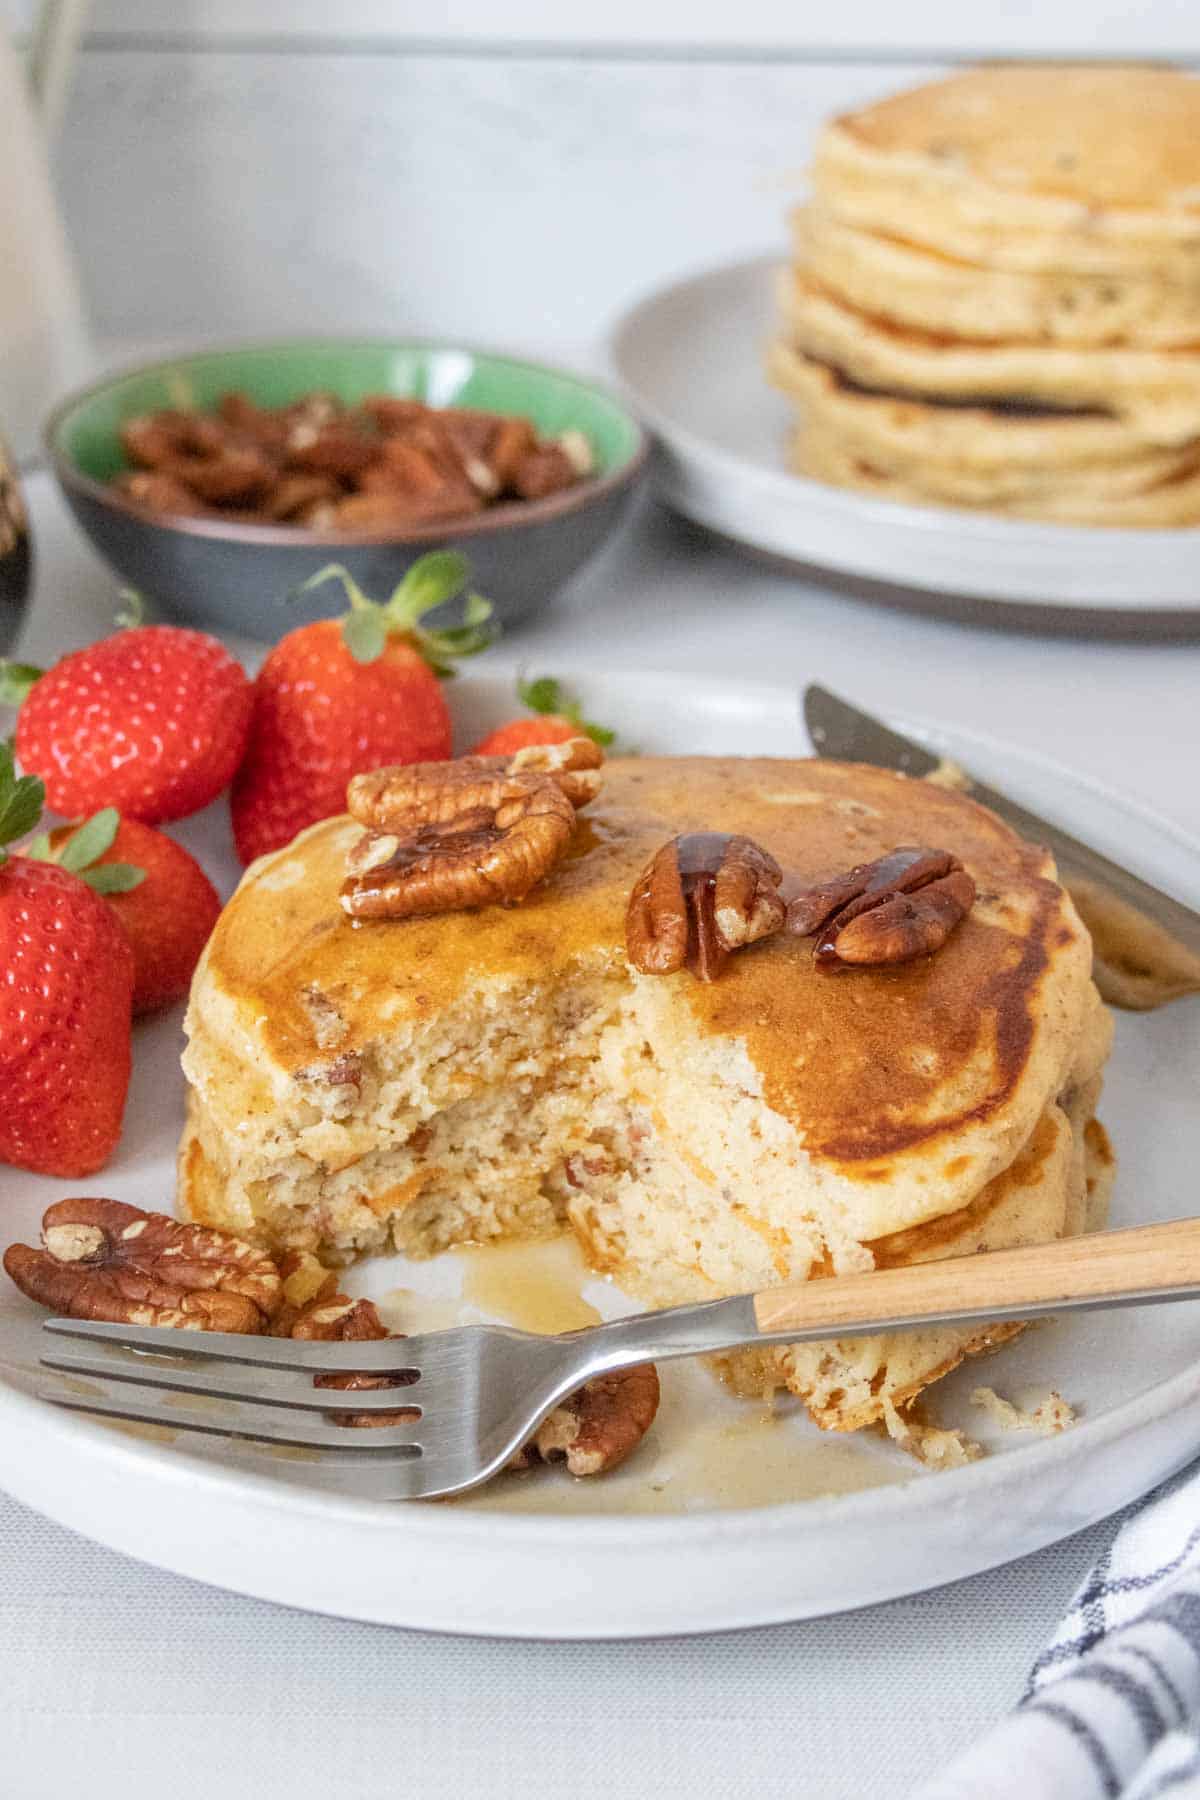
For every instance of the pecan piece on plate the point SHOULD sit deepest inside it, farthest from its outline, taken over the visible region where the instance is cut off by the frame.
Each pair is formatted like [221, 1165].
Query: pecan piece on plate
[105, 1260]
[704, 895]
[333, 1318]
[596, 1428]
[444, 837]
[894, 909]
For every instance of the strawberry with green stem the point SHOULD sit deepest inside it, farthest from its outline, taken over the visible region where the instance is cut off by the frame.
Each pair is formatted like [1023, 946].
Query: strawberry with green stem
[341, 696]
[164, 901]
[556, 719]
[152, 720]
[65, 999]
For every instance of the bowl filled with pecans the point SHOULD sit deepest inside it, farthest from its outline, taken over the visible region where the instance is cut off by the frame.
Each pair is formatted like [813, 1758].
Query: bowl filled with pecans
[218, 483]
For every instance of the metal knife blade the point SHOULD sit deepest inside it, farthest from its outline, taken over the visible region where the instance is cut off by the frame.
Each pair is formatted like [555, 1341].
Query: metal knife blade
[840, 730]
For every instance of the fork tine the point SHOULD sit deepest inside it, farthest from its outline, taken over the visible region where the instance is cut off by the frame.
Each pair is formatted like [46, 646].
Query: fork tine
[262, 1385]
[397, 1477]
[263, 1423]
[375, 1357]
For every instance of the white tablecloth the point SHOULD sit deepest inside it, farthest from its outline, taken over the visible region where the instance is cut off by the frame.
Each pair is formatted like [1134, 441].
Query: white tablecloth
[122, 1682]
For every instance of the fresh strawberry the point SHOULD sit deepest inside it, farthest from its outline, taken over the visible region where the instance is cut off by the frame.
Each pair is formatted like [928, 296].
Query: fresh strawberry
[555, 720]
[516, 734]
[152, 721]
[64, 1004]
[344, 695]
[168, 913]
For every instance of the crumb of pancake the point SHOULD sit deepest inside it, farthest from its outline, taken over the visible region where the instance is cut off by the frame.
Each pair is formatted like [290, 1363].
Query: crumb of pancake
[1051, 1415]
[950, 775]
[936, 1446]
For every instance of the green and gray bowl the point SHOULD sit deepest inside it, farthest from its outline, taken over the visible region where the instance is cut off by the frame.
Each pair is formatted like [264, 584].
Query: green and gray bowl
[243, 578]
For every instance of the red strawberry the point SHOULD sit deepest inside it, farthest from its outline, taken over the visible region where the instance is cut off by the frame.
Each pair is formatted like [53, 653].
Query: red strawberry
[167, 915]
[64, 1005]
[152, 721]
[555, 720]
[340, 696]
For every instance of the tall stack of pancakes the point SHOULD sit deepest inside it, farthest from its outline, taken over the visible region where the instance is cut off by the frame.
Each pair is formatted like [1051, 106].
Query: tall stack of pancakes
[995, 297]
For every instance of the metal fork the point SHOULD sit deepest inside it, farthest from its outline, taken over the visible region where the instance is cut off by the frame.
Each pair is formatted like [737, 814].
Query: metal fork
[479, 1392]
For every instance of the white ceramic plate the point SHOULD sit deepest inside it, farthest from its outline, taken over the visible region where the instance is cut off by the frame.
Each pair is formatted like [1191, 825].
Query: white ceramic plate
[667, 1544]
[690, 358]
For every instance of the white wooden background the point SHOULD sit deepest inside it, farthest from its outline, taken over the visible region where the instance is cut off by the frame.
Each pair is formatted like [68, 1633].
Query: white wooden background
[513, 173]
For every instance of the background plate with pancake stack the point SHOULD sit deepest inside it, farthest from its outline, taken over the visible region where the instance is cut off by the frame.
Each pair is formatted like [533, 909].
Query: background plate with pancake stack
[995, 297]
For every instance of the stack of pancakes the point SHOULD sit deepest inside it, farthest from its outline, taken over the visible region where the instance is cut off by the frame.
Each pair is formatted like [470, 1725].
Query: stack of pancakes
[995, 297]
[423, 1082]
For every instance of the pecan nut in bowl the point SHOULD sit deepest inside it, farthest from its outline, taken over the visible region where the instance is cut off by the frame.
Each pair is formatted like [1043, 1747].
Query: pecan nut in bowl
[383, 462]
[899, 907]
[102, 1259]
[479, 831]
[703, 896]
[598, 1427]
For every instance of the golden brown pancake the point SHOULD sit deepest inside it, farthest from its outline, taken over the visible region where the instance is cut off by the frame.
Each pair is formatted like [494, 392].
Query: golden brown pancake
[1029, 167]
[994, 301]
[503, 1072]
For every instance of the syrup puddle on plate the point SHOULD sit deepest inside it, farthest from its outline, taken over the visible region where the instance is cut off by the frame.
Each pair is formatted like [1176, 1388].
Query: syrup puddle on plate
[534, 1285]
[706, 1451]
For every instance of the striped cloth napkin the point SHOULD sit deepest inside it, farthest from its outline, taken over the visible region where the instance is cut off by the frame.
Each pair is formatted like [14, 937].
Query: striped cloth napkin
[1112, 1709]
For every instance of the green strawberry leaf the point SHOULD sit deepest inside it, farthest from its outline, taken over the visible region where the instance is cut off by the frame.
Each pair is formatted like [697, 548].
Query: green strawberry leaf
[364, 627]
[335, 572]
[78, 853]
[440, 648]
[432, 580]
[21, 800]
[133, 612]
[545, 695]
[364, 634]
[542, 695]
[92, 839]
[16, 679]
[113, 878]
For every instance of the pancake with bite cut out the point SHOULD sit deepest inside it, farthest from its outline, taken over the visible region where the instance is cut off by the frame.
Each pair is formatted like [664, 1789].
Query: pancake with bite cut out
[424, 1082]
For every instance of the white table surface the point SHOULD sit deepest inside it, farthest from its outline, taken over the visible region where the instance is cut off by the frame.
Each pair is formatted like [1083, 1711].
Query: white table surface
[131, 1682]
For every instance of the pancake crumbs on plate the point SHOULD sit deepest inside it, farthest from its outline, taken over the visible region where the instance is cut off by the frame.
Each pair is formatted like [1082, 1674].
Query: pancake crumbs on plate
[1051, 1415]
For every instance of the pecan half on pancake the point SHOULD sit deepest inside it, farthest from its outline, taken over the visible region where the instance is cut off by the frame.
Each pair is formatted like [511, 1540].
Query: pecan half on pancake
[703, 896]
[479, 831]
[892, 910]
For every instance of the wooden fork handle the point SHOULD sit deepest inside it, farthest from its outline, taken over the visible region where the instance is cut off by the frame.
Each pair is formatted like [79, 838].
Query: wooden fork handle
[1145, 1263]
